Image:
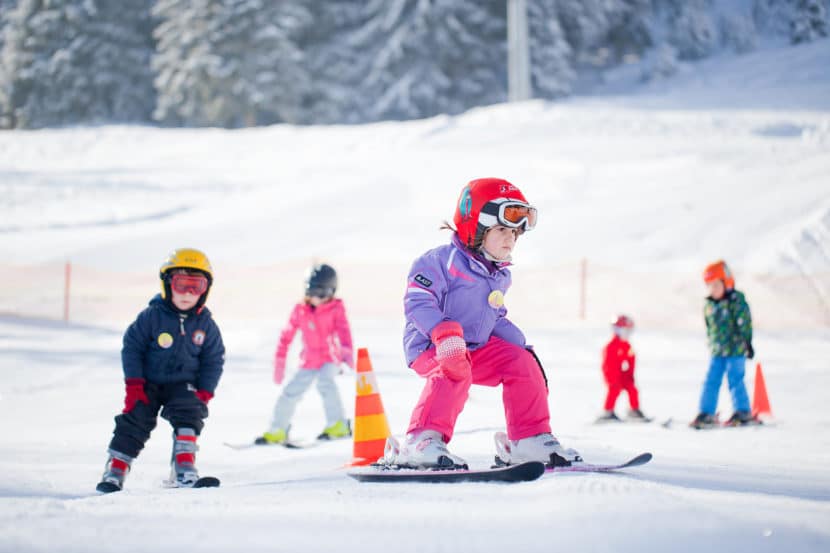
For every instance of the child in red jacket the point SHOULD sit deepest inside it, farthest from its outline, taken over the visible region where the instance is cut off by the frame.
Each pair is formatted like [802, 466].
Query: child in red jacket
[618, 362]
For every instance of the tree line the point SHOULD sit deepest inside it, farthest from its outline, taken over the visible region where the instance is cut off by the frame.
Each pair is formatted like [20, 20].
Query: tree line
[239, 63]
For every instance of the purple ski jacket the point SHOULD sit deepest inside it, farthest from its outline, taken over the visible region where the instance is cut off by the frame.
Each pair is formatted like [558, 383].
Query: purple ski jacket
[450, 283]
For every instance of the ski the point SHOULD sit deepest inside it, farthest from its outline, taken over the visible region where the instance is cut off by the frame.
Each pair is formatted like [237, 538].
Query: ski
[107, 487]
[202, 482]
[627, 420]
[717, 424]
[745, 424]
[727, 424]
[523, 472]
[581, 466]
[286, 445]
[558, 463]
[207, 482]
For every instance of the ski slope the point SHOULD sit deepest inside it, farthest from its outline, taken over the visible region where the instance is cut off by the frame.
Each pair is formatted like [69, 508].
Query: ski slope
[658, 181]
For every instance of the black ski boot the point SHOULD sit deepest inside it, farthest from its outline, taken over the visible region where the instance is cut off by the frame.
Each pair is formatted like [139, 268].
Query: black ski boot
[608, 416]
[741, 418]
[704, 420]
[635, 415]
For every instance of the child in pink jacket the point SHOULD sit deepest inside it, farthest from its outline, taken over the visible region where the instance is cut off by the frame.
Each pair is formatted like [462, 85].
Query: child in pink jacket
[327, 342]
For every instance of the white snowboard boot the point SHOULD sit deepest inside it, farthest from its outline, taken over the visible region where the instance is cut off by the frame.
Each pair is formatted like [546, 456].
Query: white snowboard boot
[542, 447]
[425, 449]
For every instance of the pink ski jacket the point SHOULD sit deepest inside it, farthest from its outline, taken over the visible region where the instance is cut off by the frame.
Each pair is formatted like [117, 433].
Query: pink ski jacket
[326, 337]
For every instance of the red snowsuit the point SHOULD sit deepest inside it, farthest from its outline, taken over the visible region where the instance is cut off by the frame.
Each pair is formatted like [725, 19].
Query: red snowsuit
[618, 369]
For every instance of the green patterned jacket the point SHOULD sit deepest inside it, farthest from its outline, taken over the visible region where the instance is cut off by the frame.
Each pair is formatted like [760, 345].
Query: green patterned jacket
[728, 325]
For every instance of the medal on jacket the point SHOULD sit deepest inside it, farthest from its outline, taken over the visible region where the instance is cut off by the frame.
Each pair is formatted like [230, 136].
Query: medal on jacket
[165, 340]
[496, 299]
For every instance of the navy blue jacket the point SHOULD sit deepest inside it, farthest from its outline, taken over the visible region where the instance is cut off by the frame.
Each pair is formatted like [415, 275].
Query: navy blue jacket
[163, 346]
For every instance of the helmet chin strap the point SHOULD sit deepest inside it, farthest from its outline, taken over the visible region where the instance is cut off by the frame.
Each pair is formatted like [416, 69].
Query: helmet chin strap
[489, 257]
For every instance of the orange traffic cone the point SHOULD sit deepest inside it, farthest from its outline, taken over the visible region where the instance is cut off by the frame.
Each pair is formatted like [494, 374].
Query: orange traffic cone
[760, 401]
[370, 425]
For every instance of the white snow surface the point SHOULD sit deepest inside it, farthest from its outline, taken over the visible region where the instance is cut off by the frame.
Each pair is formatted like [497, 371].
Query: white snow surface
[657, 182]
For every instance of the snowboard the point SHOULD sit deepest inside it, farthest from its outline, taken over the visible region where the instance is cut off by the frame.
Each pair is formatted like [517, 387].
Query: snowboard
[523, 472]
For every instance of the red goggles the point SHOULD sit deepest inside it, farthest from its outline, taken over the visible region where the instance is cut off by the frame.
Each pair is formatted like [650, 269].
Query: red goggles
[517, 214]
[189, 284]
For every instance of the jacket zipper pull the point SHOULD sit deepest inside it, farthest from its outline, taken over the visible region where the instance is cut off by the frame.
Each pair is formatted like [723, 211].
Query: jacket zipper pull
[181, 324]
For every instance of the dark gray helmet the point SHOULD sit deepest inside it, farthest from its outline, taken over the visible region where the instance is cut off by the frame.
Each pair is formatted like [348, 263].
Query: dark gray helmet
[321, 281]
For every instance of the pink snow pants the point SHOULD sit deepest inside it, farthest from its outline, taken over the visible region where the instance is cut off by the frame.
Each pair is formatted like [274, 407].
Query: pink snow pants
[524, 393]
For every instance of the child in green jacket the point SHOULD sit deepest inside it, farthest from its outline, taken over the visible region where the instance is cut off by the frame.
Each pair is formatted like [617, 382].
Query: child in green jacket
[729, 331]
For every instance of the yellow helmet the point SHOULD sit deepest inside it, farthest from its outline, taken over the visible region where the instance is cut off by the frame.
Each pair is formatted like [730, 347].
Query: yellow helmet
[185, 258]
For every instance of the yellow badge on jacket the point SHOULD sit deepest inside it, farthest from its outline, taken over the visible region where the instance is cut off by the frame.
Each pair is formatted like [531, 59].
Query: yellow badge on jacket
[496, 299]
[165, 340]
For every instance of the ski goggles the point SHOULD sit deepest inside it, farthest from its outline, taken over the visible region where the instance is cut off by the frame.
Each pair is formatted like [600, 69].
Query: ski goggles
[189, 284]
[319, 293]
[509, 213]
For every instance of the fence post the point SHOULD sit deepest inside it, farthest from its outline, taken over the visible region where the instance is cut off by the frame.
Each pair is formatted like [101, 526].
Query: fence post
[67, 277]
[583, 278]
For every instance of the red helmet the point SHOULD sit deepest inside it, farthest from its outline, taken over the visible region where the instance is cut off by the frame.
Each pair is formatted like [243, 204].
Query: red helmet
[719, 270]
[485, 203]
[623, 321]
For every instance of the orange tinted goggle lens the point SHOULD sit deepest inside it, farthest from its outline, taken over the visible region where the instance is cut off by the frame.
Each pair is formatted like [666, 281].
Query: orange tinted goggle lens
[515, 214]
[194, 284]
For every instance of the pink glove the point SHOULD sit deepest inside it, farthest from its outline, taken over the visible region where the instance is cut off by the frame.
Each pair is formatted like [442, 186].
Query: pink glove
[451, 350]
[279, 369]
[204, 396]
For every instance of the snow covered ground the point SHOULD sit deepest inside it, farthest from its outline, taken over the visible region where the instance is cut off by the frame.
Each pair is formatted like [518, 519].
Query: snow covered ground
[654, 184]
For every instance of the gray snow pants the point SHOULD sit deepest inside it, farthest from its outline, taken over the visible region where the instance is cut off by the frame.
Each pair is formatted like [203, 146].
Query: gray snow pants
[297, 387]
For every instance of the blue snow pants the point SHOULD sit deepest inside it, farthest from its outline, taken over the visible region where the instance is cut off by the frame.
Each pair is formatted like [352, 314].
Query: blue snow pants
[734, 367]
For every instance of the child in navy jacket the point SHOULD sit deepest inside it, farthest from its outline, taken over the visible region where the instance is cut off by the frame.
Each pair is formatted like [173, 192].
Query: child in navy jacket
[172, 358]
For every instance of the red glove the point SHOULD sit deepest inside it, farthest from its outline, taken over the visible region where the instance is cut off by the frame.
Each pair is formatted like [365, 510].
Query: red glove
[451, 350]
[204, 396]
[279, 369]
[135, 393]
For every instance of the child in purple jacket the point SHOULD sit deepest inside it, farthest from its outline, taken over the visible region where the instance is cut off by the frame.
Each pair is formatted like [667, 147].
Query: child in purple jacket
[457, 334]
